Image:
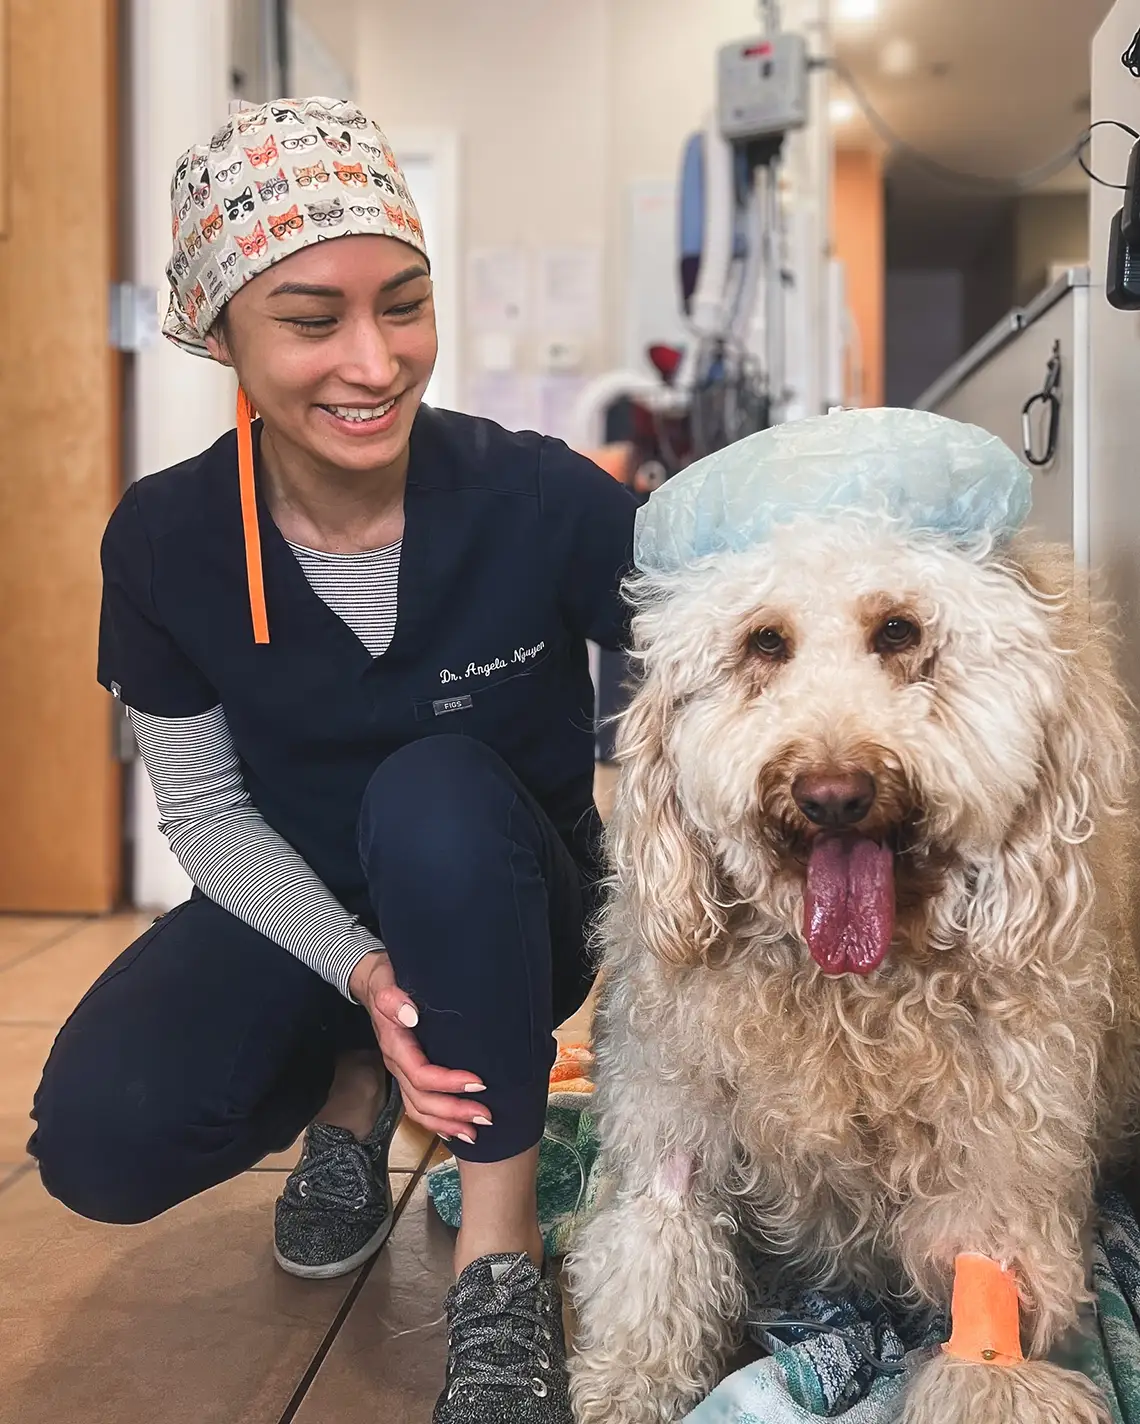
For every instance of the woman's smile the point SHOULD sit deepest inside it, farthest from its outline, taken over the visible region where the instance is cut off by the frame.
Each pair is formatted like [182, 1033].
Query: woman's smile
[361, 421]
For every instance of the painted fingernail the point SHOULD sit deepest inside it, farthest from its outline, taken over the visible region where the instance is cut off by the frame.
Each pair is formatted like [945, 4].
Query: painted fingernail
[408, 1016]
[482, 1121]
[469, 1140]
[475, 1088]
[444, 1138]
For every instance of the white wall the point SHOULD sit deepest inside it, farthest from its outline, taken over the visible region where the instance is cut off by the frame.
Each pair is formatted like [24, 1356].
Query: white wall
[179, 403]
[524, 87]
[559, 110]
[180, 96]
[663, 63]
[332, 60]
[1115, 346]
[322, 43]
[429, 159]
[322, 57]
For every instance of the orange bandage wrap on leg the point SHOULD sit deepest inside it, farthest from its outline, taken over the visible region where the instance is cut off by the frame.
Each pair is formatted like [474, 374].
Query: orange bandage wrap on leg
[986, 1313]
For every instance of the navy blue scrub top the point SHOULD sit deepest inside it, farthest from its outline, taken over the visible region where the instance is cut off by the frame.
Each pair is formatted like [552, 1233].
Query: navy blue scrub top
[513, 554]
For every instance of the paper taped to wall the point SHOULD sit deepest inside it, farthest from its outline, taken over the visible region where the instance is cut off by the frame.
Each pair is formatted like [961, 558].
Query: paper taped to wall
[498, 289]
[570, 290]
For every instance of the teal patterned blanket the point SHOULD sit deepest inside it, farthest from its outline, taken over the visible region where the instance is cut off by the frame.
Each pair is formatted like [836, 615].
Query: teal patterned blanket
[845, 1358]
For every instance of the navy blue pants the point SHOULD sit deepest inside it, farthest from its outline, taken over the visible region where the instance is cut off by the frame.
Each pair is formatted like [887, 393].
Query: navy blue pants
[205, 1046]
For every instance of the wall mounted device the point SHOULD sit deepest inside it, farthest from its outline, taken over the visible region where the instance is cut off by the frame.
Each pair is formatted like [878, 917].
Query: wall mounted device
[762, 89]
[1122, 286]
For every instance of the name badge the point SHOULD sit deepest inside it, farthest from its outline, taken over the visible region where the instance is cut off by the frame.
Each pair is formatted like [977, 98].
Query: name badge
[451, 704]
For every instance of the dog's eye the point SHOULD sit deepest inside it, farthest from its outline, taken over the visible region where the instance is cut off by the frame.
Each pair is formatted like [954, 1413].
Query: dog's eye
[897, 635]
[770, 644]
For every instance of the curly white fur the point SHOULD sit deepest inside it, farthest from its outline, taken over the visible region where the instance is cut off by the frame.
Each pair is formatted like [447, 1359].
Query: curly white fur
[961, 1097]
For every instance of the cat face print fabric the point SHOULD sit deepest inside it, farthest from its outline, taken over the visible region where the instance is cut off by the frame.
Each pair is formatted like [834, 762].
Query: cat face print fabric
[273, 179]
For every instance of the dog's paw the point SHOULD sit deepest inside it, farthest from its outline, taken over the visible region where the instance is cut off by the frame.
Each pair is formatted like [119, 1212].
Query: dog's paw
[949, 1391]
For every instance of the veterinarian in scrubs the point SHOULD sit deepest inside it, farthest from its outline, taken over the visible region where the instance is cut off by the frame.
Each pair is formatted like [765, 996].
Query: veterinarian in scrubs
[351, 636]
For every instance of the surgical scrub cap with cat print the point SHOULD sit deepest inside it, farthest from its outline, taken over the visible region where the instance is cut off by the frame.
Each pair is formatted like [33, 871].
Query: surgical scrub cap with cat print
[275, 178]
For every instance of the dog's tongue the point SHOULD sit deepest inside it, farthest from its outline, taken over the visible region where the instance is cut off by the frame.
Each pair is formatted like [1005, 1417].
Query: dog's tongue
[849, 904]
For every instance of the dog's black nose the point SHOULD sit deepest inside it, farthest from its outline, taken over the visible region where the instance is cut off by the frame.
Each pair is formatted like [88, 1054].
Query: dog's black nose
[834, 799]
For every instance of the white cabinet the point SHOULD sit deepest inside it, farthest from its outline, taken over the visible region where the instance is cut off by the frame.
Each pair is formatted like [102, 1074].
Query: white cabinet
[992, 383]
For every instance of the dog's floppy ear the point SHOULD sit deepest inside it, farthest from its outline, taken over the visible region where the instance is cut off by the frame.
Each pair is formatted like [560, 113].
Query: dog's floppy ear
[664, 865]
[1074, 843]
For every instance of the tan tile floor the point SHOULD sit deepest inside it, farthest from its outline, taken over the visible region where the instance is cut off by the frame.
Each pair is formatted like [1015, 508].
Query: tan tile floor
[187, 1320]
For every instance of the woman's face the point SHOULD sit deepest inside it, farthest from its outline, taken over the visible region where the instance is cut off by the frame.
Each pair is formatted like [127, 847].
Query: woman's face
[335, 346]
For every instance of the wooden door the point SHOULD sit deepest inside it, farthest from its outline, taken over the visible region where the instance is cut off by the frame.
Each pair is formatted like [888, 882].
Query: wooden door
[60, 805]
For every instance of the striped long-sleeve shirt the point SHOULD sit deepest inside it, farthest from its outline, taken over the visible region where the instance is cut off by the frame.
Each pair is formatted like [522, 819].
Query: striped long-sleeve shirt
[215, 831]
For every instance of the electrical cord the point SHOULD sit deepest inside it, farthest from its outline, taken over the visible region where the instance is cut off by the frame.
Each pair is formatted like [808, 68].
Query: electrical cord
[1019, 182]
[1112, 123]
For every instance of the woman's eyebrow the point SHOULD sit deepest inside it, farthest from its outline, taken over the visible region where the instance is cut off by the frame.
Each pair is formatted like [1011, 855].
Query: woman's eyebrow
[304, 289]
[307, 289]
[409, 274]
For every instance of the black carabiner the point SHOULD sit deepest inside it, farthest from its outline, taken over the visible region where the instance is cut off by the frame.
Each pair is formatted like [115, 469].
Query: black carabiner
[1047, 395]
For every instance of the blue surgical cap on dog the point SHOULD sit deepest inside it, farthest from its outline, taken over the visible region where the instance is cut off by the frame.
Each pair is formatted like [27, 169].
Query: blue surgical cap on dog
[920, 470]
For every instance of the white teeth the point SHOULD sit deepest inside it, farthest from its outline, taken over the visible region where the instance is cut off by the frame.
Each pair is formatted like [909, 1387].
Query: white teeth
[360, 412]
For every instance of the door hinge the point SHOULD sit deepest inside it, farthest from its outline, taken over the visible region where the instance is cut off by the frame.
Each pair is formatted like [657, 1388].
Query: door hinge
[133, 321]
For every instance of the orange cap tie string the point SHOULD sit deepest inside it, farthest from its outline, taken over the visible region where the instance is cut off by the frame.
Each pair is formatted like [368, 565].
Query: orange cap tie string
[250, 529]
[986, 1315]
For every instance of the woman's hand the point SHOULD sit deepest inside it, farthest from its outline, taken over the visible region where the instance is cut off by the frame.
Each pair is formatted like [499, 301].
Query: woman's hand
[437, 1098]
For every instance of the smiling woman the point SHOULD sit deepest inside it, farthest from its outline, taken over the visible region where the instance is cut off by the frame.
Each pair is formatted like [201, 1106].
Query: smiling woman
[393, 885]
[336, 356]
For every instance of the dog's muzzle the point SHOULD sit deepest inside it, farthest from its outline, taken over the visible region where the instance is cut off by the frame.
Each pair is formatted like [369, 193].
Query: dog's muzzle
[850, 820]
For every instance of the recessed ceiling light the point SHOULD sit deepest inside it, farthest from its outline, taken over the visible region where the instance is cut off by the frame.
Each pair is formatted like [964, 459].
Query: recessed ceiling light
[841, 110]
[856, 9]
[898, 58]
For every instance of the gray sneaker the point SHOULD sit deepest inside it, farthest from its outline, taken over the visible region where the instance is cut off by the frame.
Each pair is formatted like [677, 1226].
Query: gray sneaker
[336, 1210]
[506, 1353]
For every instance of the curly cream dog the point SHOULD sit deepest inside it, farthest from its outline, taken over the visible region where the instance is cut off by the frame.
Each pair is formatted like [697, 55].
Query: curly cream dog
[870, 987]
